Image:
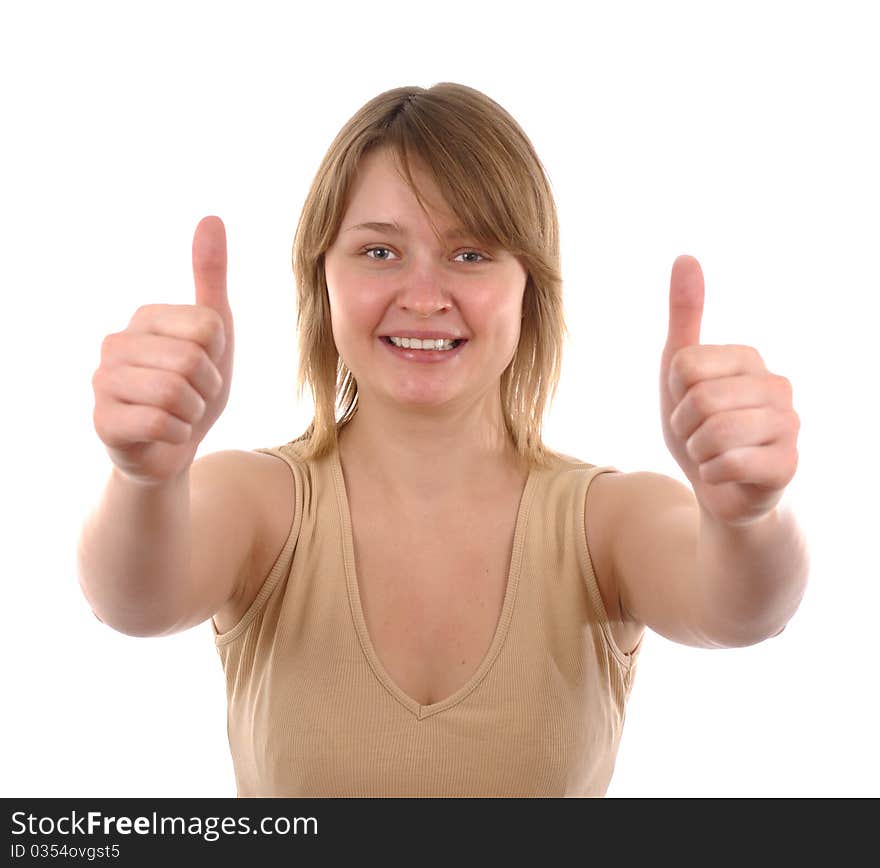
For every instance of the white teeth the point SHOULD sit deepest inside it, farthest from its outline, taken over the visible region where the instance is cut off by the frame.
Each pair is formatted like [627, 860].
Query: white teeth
[417, 344]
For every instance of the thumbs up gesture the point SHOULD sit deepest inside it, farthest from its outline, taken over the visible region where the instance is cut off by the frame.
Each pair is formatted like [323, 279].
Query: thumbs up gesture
[728, 422]
[165, 379]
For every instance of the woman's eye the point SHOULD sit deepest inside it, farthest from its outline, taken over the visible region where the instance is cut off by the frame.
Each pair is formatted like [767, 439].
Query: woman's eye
[463, 253]
[371, 249]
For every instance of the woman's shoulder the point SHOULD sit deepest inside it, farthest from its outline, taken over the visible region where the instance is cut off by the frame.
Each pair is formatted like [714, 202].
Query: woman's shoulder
[276, 473]
[270, 496]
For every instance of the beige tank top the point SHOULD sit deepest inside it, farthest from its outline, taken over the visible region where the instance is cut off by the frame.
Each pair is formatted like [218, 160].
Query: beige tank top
[312, 713]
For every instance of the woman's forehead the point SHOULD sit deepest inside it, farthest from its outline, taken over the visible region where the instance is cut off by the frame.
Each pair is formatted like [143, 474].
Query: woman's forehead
[380, 183]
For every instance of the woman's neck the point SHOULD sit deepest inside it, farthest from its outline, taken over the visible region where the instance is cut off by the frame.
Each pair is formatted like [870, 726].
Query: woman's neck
[415, 457]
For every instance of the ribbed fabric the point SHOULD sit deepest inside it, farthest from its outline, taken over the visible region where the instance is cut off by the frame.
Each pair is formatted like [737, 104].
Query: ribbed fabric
[312, 712]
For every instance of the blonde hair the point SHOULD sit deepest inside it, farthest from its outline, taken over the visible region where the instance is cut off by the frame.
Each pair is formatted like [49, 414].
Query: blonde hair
[488, 172]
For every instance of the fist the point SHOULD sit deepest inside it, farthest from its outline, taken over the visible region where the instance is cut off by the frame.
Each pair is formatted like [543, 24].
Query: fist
[165, 379]
[728, 421]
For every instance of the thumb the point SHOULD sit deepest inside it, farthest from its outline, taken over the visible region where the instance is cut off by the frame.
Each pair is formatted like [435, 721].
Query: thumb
[209, 274]
[209, 264]
[686, 293]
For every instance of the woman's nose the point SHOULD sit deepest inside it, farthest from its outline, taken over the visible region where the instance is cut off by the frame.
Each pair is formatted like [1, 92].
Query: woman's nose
[423, 297]
[422, 289]
[426, 310]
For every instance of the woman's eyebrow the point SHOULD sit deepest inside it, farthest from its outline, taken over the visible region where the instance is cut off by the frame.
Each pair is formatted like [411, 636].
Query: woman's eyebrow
[397, 229]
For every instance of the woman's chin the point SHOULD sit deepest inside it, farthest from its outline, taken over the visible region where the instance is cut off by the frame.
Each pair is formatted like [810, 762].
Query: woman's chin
[420, 401]
[420, 397]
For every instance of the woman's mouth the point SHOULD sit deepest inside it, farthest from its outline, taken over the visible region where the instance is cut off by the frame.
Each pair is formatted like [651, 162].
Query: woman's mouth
[434, 356]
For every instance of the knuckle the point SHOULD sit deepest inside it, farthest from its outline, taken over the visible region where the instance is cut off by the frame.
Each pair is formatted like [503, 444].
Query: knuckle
[678, 361]
[684, 365]
[155, 424]
[97, 378]
[211, 321]
[675, 421]
[215, 318]
[721, 427]
[217, 384]
[702, 398]
[108, 345]
[169, 389]
[785, 387]
[209, 331]
[192, 358]
[736, 463]
[98, 422]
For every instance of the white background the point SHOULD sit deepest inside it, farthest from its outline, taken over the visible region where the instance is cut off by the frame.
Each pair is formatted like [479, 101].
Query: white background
[742, 133]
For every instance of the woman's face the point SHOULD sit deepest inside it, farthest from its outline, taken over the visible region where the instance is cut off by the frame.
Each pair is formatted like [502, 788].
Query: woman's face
[411, 282]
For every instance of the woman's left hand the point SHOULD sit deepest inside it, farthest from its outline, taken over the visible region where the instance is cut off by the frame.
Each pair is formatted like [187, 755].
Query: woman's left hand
[728, 422]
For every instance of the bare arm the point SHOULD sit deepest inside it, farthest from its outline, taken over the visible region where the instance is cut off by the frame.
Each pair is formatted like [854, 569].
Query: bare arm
[156, 560]
[754, 576]
[133, 553]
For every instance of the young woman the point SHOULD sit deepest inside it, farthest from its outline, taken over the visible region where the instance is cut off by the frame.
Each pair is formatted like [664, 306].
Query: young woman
[416, 597]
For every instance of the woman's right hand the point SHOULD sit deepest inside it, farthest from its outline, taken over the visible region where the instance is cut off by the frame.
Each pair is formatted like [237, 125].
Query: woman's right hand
[165, 379]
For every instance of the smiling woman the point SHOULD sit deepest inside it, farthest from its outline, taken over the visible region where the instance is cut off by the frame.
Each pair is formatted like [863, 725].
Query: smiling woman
[413, 159]
[424, 281]
[422, 602]
[403, 598]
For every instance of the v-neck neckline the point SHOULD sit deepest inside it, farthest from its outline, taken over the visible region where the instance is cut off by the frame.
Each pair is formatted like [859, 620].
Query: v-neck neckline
[513, 574]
